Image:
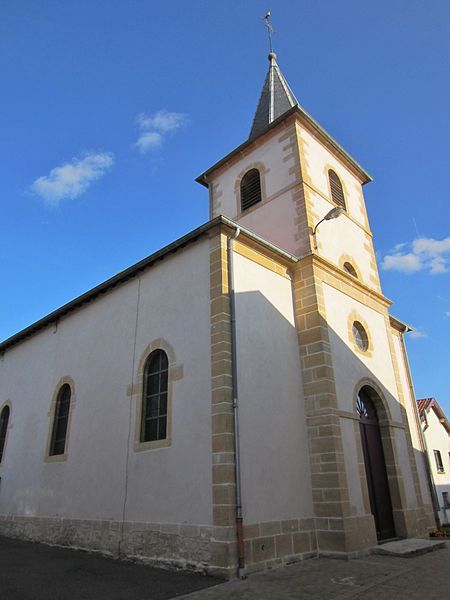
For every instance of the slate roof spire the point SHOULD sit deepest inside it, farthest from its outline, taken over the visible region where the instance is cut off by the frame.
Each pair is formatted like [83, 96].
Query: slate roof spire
[276, 99]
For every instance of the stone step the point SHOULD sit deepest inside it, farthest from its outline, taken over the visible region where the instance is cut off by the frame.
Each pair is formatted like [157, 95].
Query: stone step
[409, 547]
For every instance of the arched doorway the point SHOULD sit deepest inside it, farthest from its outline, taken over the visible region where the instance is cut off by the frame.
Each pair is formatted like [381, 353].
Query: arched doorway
[377, 481]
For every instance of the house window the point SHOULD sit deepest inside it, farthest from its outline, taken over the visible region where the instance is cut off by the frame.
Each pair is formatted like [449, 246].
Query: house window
[154, 401]
[350, 269]
[360, 336]
[445, 499]
[250, 189]
[439, 463]
[337, 193]
[60, 421]
[4, 420]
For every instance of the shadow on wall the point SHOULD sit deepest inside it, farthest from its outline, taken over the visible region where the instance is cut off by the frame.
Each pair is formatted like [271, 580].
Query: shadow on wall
[268, 352]
[269, 358]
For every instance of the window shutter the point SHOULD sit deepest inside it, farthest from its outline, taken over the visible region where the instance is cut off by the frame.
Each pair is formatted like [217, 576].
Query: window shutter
[337, 193]
[250, 189]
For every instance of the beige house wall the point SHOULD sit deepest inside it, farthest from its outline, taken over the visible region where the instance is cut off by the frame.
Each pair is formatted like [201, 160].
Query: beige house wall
[437, 438]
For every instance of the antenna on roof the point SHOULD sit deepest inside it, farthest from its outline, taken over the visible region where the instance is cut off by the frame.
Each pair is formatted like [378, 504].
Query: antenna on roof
[269, 29]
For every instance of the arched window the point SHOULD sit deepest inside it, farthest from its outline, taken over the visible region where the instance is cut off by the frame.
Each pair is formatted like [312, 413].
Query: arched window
[4, 420]
[60, 421]
[365, 407]
[337, 193]
[250, 189]
[154, 401]
[350, 269]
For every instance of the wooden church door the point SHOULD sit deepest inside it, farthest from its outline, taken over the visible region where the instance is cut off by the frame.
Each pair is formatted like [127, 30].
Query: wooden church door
[377, 481]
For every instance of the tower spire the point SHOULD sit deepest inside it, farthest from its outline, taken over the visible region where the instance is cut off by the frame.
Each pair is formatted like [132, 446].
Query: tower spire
[276, 96]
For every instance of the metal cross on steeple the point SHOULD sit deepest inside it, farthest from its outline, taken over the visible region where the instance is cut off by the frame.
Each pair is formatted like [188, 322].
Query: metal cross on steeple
[269, 29]
[276, 96]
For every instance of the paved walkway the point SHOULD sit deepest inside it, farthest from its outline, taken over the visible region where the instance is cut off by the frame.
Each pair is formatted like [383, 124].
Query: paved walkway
[425, 577]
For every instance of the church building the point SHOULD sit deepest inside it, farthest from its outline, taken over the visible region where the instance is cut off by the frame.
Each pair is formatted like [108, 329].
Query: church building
[237, 400]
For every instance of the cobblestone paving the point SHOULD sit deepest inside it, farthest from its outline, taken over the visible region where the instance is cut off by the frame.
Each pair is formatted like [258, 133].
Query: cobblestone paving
[425, 577]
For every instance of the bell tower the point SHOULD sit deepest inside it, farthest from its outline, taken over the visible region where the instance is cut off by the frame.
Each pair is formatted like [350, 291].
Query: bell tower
[287, 182]
[298, 174]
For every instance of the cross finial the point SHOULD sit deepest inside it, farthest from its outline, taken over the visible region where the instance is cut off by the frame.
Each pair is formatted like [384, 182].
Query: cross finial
[269, 29]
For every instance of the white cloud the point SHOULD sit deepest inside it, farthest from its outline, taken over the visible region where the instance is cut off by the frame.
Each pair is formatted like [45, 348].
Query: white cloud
[438, 265]
[149, 140]
[418, 334]
[156, 127]
[399, 247]
[431, 247]
[72, 179]
[407, 263]
[427, 254]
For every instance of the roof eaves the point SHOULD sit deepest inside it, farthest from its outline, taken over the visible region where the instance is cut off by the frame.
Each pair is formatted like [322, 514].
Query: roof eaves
[297, 109]
[130, 272]
[108, 284]
[400, 325]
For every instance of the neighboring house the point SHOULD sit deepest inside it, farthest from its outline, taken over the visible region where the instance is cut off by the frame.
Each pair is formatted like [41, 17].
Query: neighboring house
[436, 430]
[120, 411]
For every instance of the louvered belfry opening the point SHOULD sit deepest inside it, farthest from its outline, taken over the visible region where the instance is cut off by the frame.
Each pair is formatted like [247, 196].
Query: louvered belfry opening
[337, 193]
[250, 189]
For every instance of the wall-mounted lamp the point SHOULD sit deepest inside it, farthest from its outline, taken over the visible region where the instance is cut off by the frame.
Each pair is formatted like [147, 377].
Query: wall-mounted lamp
[334, 213]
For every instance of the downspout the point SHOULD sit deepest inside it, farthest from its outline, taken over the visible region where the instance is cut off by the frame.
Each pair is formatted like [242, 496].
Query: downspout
[434, 498]
[234, 384]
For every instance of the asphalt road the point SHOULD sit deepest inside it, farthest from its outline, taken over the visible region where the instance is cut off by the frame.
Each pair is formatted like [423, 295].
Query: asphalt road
[30, 571]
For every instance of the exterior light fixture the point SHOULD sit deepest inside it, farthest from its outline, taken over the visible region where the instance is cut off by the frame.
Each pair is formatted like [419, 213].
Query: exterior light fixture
[334, 213]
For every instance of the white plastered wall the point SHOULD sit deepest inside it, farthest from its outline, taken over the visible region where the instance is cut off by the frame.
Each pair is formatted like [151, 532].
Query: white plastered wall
[438, 439]
[343, 236]
[316, 159]
[350, 367]
[273, 218]
[95, 346]
[274, 451]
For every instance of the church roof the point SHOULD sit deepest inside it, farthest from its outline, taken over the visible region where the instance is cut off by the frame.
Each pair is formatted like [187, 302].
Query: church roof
[276, 99]
[134, 270]
[276, 103]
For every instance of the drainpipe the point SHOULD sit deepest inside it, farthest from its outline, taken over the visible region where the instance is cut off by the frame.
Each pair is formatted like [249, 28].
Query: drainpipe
[234, 383]
[434, 498]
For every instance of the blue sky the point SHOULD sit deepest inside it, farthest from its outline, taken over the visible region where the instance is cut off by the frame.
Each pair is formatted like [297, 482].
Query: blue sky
[110, 109]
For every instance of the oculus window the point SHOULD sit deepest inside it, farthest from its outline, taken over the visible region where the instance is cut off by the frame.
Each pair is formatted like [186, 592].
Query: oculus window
[360, 336]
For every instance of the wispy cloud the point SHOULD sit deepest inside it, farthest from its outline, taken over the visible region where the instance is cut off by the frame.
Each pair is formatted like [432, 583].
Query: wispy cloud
[425, 254]
[72, 179]
[156, 127]
[418, 334]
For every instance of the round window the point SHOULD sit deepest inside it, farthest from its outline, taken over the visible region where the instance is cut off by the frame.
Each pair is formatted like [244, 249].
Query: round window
[360, 336]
